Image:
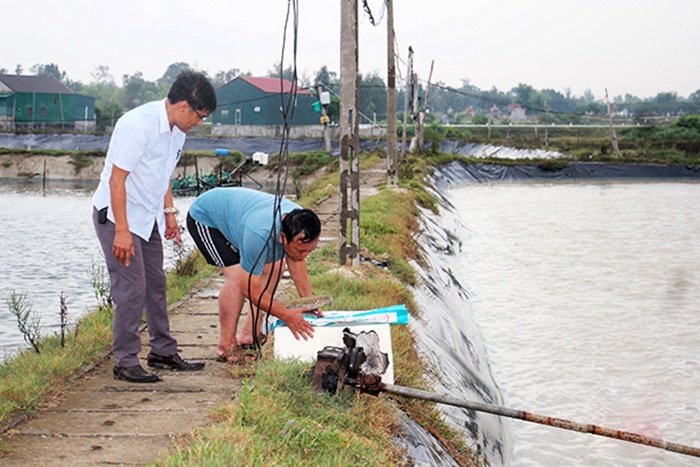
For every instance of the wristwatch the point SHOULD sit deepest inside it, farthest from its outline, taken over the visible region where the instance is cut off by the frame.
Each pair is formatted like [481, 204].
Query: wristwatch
[170, 210]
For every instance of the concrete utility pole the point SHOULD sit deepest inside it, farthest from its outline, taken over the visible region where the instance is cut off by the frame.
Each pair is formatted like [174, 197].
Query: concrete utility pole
[349, 135]
[612, 130]
[391, 139]
[546, 127]
[409, 75]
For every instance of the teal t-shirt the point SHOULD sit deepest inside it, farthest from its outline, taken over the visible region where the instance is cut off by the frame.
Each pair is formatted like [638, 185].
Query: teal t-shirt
[244, 217]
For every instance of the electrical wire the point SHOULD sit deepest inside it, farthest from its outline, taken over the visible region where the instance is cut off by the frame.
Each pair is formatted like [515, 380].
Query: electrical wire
[245, 101]
[287, 105]
[368, 10]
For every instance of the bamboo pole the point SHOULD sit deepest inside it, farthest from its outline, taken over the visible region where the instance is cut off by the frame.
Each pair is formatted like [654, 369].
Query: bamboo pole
[420, 126]
[542, 419]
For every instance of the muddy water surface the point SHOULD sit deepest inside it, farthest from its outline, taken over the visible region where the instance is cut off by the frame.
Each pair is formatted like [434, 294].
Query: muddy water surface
[587, 297]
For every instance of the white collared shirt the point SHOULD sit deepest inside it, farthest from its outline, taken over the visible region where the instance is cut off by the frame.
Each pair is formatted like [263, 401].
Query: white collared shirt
[143, 145]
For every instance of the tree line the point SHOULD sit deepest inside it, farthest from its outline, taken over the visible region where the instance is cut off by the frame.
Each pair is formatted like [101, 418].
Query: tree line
[466, 104]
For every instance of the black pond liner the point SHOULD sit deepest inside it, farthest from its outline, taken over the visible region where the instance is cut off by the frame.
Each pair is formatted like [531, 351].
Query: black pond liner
[459, 172]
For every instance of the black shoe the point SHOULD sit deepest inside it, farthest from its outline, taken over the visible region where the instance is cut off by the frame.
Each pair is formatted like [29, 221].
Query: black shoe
[134, 374]
[173, 362]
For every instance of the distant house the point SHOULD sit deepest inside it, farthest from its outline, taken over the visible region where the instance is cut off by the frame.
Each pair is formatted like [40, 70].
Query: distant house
[517, 113]
[28, 102]
[258, 102]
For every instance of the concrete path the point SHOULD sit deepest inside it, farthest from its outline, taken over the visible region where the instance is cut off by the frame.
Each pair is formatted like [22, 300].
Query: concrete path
[104, 421]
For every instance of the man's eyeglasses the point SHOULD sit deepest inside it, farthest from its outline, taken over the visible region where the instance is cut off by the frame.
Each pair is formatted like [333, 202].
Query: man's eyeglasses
[200, 116]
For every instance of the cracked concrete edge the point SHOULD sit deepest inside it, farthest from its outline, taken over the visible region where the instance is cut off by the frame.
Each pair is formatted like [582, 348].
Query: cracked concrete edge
[22, 416]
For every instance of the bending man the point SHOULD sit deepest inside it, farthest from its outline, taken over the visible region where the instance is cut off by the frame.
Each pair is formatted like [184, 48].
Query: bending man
[234, 230]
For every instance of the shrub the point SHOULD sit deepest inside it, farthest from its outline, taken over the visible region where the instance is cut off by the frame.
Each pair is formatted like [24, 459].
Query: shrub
[480, 120]
[79, 161]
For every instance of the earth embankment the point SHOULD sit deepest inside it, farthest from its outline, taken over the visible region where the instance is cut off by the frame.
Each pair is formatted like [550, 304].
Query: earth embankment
[99, 420]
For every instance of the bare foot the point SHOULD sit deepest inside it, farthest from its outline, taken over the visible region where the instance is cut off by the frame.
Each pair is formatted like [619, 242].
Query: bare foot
[247, 339]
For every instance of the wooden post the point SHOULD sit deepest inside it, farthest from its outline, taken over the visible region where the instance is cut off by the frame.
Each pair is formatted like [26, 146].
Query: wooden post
[391, 139]
[349, 135]
[196, 175]
[324, 119]
[409, 74]
[613, 136]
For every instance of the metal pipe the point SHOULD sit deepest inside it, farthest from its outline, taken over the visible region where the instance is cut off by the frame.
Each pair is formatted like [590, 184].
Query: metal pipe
[541, 419]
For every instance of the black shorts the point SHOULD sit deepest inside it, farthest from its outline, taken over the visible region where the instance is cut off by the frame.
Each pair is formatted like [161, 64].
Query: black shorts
[211, 242]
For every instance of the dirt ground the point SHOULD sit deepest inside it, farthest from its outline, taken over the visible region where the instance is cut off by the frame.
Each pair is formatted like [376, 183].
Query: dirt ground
[104, 421]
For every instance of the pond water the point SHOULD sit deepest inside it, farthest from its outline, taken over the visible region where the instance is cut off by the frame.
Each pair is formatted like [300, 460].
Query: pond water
[586, 295]
[49, 247]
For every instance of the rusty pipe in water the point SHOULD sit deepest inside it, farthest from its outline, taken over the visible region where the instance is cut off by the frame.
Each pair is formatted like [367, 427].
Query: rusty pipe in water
[541, 419]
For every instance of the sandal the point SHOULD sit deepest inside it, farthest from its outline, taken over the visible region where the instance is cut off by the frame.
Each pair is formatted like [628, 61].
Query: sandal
[262, 338]
[237, 355]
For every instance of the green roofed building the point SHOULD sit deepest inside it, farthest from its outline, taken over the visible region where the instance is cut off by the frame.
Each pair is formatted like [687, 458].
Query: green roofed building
[29, 102]
[254, 105]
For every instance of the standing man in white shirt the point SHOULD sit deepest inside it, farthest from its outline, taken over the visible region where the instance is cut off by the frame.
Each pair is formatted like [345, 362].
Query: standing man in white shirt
[133, 209]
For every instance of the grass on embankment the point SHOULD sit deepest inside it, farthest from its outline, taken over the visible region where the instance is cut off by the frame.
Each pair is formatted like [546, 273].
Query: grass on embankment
[279, 419]
[31, 380]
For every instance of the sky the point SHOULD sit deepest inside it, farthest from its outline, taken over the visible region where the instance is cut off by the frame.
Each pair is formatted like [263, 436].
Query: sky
[637, 47]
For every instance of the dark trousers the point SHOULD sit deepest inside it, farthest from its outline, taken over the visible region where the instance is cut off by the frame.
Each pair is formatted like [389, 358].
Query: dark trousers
[136, 289]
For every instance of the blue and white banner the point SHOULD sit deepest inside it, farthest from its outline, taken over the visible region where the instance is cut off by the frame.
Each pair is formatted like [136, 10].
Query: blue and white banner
[395, 314]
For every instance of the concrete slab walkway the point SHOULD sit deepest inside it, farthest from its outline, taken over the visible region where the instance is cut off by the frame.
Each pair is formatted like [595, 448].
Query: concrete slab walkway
[104, 421]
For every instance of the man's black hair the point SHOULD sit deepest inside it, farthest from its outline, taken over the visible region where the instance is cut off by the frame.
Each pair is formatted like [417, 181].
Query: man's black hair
[301, 221]
[195, 88]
